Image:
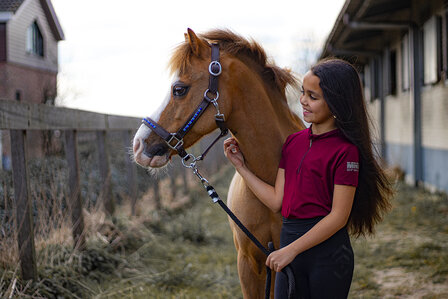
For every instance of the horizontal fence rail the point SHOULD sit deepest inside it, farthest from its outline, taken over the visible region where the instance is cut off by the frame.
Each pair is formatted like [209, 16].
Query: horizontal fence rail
[30, 116]
[20, 117]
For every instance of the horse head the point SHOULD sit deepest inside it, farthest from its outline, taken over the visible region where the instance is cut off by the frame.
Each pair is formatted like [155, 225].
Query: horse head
[190, 66]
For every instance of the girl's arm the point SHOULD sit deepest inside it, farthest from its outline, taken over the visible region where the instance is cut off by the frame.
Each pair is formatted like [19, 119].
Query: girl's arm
[271, 196]
[342, 204]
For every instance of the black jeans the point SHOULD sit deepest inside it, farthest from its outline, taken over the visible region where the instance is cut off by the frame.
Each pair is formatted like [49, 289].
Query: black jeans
[324, 271]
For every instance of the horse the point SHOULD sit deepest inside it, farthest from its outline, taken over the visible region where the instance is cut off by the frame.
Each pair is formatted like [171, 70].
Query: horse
[252, 97]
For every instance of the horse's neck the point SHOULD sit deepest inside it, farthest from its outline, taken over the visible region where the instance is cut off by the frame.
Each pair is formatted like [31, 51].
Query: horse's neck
[261, 126]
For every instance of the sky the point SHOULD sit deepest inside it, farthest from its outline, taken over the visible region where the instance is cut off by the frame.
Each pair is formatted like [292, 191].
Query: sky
[115, 53]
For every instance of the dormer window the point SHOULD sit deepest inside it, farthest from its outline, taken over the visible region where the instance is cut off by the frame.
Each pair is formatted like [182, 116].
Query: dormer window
[34, 40]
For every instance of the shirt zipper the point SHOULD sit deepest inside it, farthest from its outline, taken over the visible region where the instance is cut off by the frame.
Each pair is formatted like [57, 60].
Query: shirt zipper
[300, 165]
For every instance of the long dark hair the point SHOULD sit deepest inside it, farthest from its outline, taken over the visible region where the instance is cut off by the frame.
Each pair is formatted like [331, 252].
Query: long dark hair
[342, 90]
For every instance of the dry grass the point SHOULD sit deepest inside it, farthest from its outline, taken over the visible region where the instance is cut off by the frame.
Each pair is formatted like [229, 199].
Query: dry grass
[408, 257]
[185, 250]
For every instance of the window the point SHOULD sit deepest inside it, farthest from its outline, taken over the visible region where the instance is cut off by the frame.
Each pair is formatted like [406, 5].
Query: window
[375, 78]
[445, 44]
[393, 72]
[18, 95]
[431, 52]
[439, 47]
[367, 83]
[405, 79]
[34, 40]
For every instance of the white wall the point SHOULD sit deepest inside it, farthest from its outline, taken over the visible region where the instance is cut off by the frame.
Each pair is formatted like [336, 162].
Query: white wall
[28, 12]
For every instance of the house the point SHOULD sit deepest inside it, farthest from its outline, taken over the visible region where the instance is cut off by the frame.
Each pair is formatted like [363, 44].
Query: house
[29, 36]
[400, 48]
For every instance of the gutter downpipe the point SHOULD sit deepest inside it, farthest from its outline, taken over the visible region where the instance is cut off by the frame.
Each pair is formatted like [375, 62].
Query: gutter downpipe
[416, 95]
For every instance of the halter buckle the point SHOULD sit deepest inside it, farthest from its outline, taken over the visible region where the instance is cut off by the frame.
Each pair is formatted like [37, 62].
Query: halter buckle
[179, 142]
[210, 68]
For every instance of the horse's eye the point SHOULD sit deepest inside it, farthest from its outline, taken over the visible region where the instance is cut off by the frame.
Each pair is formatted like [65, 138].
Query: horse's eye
[180, 90]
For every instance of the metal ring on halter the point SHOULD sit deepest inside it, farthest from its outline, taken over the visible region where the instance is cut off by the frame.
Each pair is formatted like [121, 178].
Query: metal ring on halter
[210, 68]
[192, 164]
[211, 100]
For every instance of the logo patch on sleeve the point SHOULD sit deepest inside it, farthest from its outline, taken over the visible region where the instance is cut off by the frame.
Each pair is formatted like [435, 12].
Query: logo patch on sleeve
[352, 166]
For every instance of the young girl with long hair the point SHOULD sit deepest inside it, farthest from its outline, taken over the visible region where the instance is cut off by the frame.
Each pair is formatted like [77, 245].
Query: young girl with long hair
[328, 184]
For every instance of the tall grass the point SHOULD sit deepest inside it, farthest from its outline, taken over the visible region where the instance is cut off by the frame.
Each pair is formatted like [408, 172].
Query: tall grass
[52, 225]
[185, 249]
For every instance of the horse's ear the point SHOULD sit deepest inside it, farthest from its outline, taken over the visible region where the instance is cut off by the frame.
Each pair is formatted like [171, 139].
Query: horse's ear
[195, 42]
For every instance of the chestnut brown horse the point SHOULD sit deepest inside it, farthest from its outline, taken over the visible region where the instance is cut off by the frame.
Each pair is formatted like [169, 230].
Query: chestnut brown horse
[252, 97]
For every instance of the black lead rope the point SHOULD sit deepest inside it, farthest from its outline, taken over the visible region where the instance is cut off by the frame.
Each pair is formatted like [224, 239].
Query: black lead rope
[286, 270]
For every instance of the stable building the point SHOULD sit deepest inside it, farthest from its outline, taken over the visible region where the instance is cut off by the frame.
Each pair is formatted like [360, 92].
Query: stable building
[400, 49]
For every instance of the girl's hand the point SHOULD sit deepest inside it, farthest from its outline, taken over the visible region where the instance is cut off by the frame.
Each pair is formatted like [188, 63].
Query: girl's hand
[233, 153]
[279, 259]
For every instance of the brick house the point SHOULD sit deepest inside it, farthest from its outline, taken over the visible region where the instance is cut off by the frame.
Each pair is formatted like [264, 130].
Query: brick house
[29, 36]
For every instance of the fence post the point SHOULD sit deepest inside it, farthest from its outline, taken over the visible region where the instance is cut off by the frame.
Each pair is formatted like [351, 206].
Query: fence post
[173, 175]
[24, 215]
[103, 159]
[157, 199]
[75, 201]
[131, 171]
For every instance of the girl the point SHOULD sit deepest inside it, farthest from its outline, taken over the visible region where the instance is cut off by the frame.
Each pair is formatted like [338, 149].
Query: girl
[328, 183]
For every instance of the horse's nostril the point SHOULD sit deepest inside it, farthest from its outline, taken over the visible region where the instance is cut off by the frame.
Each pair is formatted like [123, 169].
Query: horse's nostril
[136, 145]
[156, 150]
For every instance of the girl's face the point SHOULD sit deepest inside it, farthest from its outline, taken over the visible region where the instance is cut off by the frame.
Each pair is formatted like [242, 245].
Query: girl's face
[315, 109]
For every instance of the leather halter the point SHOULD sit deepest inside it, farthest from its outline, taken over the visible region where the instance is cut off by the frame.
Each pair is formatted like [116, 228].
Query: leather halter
[175, 140]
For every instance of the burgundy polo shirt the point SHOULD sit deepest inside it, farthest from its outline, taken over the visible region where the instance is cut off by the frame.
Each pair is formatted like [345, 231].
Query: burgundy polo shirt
[313, 165]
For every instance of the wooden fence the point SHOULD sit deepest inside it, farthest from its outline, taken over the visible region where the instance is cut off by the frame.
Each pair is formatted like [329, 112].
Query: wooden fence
[18, 118]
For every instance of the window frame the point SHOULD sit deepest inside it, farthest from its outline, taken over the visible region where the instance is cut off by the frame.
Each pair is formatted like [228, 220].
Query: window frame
[35, 40]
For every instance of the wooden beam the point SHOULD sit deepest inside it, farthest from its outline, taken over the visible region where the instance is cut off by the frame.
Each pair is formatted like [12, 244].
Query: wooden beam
[379, 25]
[375, 25]
[354, 52]
[31, 116]
[156, 189]
[75, 201]
[103, 161]
[24, 215]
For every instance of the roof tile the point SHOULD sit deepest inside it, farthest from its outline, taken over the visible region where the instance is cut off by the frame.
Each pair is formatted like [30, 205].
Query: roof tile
[10, 5]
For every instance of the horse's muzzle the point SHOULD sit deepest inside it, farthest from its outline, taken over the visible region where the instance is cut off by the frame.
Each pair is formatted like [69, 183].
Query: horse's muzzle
[160, 149]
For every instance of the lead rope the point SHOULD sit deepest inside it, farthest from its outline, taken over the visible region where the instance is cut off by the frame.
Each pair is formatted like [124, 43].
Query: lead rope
[215, 198]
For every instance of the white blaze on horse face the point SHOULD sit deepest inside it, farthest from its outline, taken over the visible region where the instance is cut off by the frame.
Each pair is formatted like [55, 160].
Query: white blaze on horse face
[143, 133]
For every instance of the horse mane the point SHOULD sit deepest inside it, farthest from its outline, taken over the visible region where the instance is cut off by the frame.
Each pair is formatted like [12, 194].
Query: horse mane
[241, 48]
